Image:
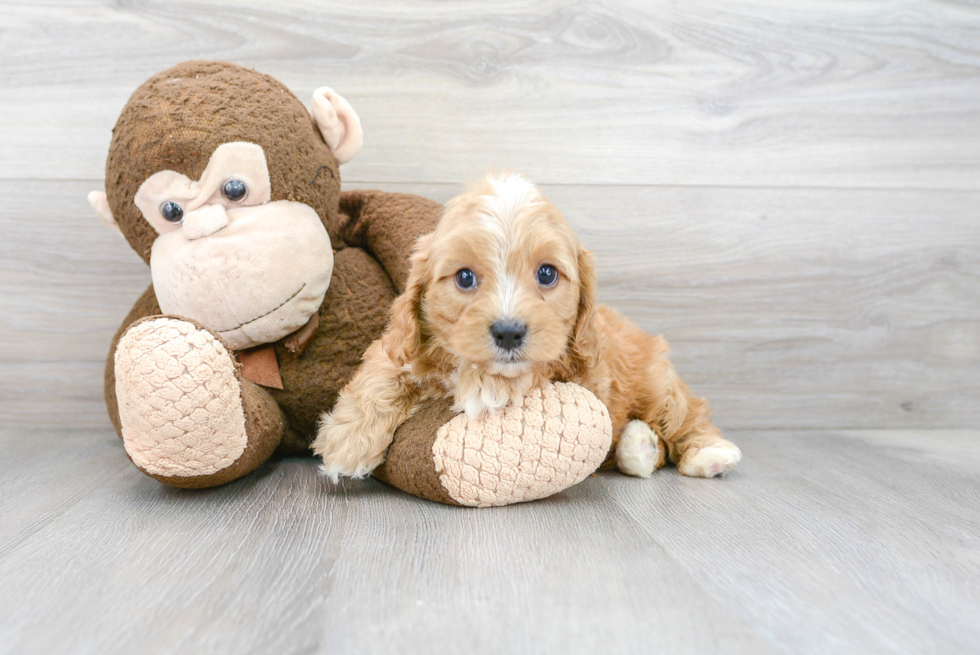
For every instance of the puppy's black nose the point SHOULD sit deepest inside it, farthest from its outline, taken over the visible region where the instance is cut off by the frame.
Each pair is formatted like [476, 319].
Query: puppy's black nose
[508, 333]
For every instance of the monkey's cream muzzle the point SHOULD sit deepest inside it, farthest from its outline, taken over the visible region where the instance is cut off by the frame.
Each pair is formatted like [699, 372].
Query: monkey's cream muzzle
[251, 270]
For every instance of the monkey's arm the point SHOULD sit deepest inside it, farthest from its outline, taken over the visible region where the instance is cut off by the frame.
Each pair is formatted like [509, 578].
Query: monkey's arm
[387, 225]
[147, 305]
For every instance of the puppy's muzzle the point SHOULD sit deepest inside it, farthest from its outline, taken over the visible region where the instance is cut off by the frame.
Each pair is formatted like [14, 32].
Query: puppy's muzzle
[508, 334]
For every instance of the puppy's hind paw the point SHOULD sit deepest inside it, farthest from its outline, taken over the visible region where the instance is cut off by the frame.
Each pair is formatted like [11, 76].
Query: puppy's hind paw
[638, 451]
[710, 461]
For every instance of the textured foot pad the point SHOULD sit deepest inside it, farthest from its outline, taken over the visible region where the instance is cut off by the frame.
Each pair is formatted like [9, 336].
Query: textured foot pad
[556, 438]
[180, 403]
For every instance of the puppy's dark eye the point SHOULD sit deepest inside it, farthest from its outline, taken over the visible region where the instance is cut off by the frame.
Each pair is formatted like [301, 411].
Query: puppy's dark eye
[547, 275]
[465, 279]
[172, 212]
[234, 190]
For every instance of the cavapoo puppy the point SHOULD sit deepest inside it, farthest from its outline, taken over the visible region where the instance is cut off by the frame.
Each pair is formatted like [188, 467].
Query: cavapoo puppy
[501, 298]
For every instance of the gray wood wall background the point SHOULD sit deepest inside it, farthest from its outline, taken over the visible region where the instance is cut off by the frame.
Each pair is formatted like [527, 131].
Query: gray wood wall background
[789, 191]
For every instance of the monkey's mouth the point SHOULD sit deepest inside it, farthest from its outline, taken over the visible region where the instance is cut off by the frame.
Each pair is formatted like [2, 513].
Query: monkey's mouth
[254, 281]
[271, 311]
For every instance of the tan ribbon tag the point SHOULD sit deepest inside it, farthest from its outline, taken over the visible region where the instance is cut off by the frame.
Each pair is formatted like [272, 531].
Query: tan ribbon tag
[260, 365]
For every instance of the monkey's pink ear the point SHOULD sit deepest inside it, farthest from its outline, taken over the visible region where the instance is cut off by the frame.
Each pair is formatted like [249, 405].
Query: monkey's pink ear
[100, 204]
[338, 123]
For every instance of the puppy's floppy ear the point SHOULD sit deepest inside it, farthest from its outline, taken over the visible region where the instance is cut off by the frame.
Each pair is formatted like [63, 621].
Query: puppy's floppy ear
[402, 341]
[584, 343]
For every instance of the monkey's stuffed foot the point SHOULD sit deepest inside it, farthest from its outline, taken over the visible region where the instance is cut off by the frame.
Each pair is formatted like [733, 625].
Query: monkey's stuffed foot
[188, 418]
[544, 443]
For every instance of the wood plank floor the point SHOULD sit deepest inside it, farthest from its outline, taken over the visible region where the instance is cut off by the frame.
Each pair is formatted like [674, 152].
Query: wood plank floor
[835, 541]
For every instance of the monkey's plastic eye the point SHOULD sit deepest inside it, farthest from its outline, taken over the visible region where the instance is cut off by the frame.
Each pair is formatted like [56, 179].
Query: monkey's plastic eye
[234, 190]
[465, 279]
[172, 212]
[547, 275]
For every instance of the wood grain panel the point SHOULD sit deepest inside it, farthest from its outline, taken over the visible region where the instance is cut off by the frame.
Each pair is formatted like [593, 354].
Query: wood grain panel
[284, 562]
[840, 520]
[764, 93]
[785, 307]
[847, 542]
[46, 474]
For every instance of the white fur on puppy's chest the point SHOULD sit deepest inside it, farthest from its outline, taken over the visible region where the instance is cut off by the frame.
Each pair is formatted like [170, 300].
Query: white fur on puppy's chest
[480, 401]
[477, 393]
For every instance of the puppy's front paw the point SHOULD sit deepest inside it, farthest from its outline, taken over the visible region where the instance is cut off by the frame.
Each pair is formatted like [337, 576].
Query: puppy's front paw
[345, 449]
[710, 461]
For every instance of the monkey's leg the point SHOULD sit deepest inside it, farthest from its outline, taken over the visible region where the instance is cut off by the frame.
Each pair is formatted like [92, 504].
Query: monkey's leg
[187, 417]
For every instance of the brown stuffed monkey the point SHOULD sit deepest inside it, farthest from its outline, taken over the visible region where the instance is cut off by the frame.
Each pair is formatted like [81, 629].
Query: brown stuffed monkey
[268, 286]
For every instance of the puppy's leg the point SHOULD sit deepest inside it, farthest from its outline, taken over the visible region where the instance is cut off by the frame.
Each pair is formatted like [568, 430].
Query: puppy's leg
[353, 438]
[693, 442]
[703, 453]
